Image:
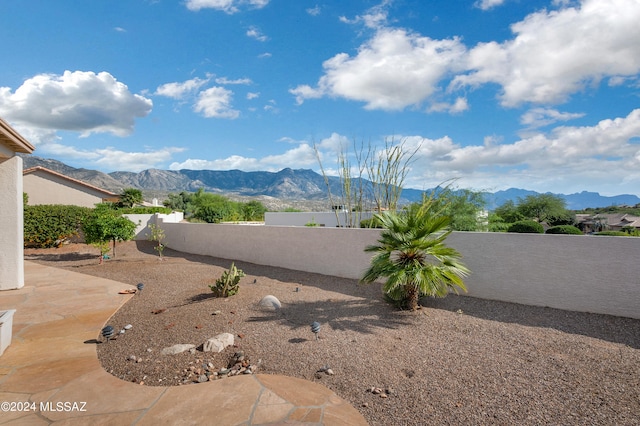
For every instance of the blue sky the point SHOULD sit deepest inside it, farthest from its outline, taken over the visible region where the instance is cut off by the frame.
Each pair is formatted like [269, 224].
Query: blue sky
[540, 95]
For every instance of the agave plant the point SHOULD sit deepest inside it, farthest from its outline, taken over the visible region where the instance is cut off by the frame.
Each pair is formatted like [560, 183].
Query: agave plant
[412, 256]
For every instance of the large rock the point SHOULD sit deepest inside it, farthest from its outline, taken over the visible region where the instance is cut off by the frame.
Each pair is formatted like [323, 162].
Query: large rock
[177, 349]
[270, 303]
[218, 343]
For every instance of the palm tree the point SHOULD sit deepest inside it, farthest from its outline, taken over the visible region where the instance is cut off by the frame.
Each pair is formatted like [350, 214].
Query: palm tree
[412, 256]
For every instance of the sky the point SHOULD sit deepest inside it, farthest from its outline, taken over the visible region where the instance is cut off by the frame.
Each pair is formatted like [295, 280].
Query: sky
[487, 94]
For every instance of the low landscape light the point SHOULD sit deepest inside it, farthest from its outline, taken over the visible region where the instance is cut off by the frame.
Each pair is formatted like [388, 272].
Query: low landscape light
[140, 286]
[315, 328]
[107, 332]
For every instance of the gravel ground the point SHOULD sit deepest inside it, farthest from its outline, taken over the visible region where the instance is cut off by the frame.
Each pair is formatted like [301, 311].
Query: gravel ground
[458, 360]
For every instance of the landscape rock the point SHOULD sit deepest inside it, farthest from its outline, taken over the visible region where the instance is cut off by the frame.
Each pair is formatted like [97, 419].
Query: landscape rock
[270, 303]
[218, 343]
[176, 349]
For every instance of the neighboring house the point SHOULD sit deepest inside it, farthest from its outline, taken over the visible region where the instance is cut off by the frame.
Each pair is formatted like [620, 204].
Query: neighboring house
[607, 222]
[11, 208]
[44, 186]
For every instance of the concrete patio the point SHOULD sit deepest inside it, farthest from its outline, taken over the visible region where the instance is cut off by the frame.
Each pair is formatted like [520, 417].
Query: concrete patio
[50, 374]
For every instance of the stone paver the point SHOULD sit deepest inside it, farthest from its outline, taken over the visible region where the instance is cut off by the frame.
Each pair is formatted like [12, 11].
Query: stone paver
[52, 360]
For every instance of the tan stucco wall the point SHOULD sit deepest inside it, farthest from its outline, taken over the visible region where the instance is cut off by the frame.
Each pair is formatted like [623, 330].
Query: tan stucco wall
[580, 273]
[45, 188]
[11, 225]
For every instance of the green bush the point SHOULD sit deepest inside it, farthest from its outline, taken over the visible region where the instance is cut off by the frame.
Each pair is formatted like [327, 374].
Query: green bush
[145, 210]
[370, 223]
[526, 227]
[612, 233]
[564, 229]
[50, 225]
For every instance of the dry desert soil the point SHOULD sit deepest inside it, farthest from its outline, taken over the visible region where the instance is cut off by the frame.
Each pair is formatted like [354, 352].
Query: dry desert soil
[457, 360]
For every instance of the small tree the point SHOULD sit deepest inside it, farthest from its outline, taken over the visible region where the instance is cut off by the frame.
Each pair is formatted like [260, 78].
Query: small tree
[105, 225]
[412, 256]
[157, 235]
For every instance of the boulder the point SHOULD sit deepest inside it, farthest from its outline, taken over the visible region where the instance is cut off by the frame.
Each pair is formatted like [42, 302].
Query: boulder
[218, 343]
[270, 303]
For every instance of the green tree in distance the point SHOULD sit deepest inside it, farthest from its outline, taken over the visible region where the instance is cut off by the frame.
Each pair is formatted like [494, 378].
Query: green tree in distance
[412, 256]
[130, 197]
[542, 207]
[462, 206]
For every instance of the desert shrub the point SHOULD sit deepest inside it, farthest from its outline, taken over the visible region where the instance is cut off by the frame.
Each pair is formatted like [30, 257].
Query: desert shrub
[564, 229]
[50, 225]
[526, 227]
[228, 284]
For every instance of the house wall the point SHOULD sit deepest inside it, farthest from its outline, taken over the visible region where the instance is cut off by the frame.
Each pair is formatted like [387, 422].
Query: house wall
[11, 225]
[44, 188]
[579, 273]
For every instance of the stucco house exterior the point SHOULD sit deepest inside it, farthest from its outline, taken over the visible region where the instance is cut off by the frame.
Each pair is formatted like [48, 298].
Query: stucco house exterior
[44, 186]
[11, 207]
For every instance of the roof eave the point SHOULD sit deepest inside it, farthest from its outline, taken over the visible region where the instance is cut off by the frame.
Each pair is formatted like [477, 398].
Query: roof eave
[13, 139]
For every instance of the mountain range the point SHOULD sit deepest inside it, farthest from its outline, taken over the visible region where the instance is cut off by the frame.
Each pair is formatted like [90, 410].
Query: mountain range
[288, 184]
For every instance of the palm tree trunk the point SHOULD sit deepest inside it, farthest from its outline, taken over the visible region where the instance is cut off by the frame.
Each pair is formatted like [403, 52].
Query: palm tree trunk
[412, 298]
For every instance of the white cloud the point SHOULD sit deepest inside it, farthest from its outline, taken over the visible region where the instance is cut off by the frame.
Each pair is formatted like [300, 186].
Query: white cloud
[216, 103]
[133, 161]
[119, 29]
[566, 159]
[178, 90]
[375, 17]
[253, 95]
[112, 159]
[227, 6]
[302, 155]
[539, 117]
[392, 71]
[79, 101]
[305, 91]
[265, 55]
[314, 11]
[335, 143]
[560, 52]
[488, 4]
[255, 33]
[460, 105]
[225, 80]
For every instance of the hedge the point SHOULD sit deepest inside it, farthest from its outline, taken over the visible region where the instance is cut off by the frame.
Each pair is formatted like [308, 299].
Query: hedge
[50, 225]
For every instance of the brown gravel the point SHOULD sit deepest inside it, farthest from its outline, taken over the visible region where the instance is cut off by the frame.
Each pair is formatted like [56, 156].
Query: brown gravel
[458, 360]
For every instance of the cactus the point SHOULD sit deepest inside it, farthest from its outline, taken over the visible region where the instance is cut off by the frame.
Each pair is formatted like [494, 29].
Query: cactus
[227, 285]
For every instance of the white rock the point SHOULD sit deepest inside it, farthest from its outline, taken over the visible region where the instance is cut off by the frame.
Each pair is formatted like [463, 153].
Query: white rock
[128, 327]
[176, 349]
[218, 343]
[270, 303]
